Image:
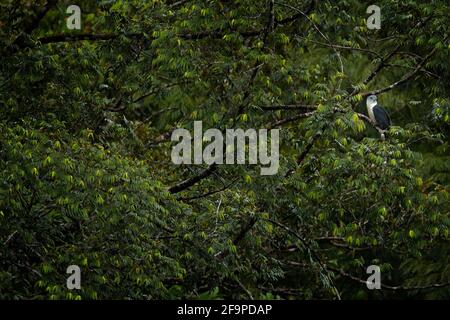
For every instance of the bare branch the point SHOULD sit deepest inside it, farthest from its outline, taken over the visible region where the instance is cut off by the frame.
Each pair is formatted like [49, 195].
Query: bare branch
[161, 138]
[290, 119]
[80, 37]
[404, 79]
[336, 46]
[178, 3]
[214, 34]
[156, 90]
[297, 15]
[290, 107]
[204, 195]
[193, 180]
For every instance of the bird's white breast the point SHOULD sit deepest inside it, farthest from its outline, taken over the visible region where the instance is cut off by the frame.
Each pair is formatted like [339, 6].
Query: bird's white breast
[370, 107]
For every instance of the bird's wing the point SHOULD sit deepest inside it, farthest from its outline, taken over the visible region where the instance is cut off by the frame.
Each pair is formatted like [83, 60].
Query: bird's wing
[382, 116]
[387, 116]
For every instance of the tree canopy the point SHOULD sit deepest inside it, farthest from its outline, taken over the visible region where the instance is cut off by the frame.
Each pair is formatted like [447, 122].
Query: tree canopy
[86, 176]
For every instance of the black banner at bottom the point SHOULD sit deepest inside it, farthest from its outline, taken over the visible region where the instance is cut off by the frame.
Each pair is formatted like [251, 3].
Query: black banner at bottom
[201, 309]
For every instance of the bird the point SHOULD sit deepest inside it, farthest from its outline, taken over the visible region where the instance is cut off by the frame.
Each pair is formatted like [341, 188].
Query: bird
[378, 115]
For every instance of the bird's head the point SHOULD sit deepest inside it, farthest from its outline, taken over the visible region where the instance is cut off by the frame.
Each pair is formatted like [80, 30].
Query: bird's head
[372, 99]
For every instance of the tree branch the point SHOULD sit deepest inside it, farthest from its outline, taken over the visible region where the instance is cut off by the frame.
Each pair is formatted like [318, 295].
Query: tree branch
[405, 78]
[290, 119]
[290, 107]
[215, 34]
[297, 15]
[193, 180]
[208, 193]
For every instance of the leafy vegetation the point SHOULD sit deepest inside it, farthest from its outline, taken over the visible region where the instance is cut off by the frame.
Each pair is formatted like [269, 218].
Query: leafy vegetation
[86, 176]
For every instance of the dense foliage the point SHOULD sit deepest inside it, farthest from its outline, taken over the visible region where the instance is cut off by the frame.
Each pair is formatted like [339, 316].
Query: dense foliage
[86, 176]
